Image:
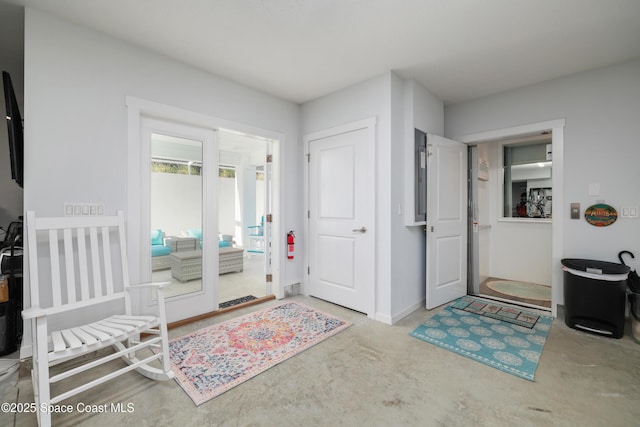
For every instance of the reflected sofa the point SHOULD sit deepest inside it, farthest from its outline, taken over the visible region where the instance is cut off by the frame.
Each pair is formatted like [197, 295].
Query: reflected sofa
[159, 251]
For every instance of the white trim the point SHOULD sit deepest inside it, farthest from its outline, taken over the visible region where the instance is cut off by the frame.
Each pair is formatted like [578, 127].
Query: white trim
[490, 135]
[163, 111]
[344, 128]
[559, 214]
[559, 210]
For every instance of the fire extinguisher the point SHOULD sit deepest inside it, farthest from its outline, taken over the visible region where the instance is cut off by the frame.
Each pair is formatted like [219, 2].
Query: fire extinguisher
[290, 242]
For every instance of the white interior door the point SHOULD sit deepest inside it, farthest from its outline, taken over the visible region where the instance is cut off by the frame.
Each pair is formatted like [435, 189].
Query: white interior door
[341, 216]
[446, 221]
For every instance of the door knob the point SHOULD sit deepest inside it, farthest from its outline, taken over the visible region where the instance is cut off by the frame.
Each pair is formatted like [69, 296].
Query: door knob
[360, 230]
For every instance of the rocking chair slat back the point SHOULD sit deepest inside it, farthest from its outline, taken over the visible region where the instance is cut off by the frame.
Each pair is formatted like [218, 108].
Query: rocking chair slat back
[80, 252]
[68, 255]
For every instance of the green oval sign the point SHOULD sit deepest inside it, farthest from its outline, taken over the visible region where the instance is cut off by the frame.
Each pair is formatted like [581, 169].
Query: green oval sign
[601, 215]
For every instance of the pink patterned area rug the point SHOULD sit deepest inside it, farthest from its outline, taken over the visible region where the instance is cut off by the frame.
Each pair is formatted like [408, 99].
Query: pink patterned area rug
[214, 359]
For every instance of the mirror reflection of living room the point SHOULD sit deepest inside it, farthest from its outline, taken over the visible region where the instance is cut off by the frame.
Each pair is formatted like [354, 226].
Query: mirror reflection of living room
[176, 215]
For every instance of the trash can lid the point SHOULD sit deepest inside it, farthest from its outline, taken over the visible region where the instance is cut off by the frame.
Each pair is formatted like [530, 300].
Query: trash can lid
[593, 266]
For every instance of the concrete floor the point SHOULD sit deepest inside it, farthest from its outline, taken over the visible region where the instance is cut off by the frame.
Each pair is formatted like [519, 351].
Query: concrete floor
[376, 375]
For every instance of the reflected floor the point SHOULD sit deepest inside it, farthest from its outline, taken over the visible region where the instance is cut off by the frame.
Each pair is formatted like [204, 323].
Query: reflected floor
[251, 281]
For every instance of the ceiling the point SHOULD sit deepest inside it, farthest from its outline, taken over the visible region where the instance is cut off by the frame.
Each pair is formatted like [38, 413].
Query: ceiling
[300, 50]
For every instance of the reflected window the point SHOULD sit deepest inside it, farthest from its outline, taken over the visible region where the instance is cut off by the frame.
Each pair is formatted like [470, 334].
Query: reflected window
[527, 181]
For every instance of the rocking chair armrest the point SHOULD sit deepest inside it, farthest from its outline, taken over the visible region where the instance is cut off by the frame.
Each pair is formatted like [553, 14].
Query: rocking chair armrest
[33, 312]
[151, 285]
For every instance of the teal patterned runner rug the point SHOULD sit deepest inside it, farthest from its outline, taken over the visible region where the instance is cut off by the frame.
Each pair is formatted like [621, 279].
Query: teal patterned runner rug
[509, 347]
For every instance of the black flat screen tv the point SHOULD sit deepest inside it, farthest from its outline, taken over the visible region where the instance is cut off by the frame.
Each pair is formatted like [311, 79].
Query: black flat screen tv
[14, 126]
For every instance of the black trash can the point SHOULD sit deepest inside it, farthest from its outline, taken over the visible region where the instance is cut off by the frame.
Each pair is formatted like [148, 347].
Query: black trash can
[595, 296]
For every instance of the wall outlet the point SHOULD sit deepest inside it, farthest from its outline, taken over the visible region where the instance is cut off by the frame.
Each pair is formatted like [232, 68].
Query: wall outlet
[629, 212]
[83, 209]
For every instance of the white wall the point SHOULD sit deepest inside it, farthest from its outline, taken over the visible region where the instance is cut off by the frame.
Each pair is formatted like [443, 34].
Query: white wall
[521, 252]
[76, 84]
[11, 61]
[400, 256]
[419, 109]
[78, 124]
[601, 108]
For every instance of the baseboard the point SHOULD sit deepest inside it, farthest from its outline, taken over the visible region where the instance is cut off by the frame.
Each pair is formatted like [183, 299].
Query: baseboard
[407, 311]
[292, 290]
[391, 319]
[384, 318]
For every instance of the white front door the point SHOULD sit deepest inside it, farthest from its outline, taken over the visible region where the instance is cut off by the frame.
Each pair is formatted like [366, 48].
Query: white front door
[446, 220]
[341, 215]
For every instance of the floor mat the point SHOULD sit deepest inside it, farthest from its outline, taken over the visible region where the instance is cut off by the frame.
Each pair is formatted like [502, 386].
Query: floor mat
[497, 311]
[505, 346]
[236, 301]
[214, 359]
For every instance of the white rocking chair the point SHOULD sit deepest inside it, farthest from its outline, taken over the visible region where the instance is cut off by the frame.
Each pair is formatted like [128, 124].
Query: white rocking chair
[81, 274]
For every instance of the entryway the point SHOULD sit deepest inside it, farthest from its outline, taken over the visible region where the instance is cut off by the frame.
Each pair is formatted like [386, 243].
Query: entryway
[206, 193]
[515, 192]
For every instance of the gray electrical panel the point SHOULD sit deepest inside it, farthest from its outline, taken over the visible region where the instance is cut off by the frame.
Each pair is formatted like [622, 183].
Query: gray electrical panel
[420, 175]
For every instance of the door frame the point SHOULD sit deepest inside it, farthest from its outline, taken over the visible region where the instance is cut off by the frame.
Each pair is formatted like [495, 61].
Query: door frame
[370, 125]
[137, 209]
[559, 209]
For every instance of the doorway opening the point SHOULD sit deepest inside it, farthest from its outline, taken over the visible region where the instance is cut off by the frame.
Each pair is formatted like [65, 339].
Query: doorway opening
[515, 191]
[244, 215]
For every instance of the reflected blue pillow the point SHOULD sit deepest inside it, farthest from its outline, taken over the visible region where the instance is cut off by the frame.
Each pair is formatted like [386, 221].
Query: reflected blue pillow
[195, 232]
[156, 237]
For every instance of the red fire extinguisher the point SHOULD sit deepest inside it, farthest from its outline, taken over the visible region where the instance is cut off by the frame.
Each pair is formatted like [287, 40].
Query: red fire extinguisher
[290, 242]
